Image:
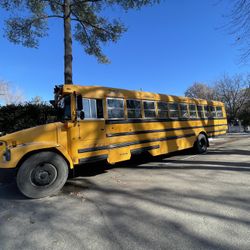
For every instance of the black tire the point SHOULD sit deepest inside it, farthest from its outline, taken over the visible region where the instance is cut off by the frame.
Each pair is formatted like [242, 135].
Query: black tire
[42, 174]
[201, 144]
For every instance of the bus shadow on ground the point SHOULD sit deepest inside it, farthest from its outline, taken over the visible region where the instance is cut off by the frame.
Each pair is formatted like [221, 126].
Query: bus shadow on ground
[131, 216]
[229, 152]
[152, 217]
[143, 162]
[123, 216]
[97, 168]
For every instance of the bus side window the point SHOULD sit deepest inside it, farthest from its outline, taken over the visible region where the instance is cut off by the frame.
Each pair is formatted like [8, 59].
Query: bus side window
[89, 108]
[93, 108]
[200, 111]
[207, 112]
[173, 110]
[115, 108]
[184, 110]
[162, 110]
[212, 111]
[219, 112]
[192, 111]
[149, 109]
[134, 109]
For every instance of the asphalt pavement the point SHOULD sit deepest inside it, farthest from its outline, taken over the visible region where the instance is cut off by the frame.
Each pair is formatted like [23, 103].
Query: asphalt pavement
[179, 201]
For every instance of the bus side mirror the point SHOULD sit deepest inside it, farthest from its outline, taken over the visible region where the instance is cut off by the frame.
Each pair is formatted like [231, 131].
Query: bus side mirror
[79, 102]
[82, 115]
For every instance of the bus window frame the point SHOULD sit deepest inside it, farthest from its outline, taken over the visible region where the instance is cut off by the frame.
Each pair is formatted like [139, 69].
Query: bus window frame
[107, 108]
[196, 110]
[91, 119]
[212, 112]
[222, 115]
[154, 117]
[202, 110]
[178, 110]
[207, 111]
[164, 110]
[126, 108]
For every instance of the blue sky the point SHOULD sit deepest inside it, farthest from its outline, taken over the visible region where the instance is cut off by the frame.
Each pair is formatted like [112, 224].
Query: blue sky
[167, 47]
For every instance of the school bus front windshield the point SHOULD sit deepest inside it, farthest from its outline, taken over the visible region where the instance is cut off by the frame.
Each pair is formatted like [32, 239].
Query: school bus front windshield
[64, 108]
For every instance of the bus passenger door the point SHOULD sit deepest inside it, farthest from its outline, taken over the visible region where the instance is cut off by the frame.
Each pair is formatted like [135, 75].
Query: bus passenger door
[92, 134]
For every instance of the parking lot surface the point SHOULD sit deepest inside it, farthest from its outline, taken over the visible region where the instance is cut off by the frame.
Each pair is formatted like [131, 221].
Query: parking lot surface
[179, 201]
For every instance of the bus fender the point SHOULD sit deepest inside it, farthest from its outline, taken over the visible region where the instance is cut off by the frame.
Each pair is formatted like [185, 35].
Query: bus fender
[21, 152]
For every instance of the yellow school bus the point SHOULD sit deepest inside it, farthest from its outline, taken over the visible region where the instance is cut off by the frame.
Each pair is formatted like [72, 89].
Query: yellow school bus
[101, 123]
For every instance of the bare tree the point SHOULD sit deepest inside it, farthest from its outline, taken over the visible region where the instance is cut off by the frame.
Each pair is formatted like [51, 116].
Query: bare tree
[233, 91]
[37, 100]
[239, 26]
[9, 94]
[201, 91]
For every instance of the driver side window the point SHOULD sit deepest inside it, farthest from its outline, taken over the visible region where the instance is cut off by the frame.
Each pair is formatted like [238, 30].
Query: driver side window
[92, 108]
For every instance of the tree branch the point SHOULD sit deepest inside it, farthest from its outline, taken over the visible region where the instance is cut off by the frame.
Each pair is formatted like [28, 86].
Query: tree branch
[45, 17]
[86, 33]
[90, 24]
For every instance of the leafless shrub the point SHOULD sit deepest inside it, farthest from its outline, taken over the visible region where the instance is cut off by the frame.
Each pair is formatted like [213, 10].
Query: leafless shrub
[10, 94]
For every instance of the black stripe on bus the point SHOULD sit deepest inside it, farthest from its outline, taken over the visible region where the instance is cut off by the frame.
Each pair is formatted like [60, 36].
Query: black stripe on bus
[93, 158]
[159, 130]
[124, 121]
[144, 149]
[125, 144]
[92, 149]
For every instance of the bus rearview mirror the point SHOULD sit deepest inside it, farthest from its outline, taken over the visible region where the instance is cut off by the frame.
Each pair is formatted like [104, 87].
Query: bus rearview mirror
[79, 102]
[82, 115]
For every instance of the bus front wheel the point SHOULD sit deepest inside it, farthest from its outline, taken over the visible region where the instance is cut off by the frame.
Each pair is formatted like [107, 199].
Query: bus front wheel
[42, 174]
[201, 144]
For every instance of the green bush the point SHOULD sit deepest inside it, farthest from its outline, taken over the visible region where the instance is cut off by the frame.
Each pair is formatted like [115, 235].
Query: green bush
[21, 116]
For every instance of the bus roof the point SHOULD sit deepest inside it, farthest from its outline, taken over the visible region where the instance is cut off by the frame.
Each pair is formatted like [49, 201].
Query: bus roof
[104, 92]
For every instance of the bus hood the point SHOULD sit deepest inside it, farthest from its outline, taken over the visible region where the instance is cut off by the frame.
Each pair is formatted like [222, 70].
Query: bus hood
[42, 133]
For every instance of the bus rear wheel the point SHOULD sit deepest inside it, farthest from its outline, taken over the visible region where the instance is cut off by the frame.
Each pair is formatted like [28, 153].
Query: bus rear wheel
[201, 144]
[42, 174]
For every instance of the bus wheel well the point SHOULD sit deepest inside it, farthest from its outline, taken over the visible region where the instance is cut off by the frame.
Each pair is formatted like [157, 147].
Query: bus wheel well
[26, 156]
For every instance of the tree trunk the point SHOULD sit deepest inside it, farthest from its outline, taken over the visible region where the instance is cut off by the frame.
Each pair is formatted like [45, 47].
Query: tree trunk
[67, 44]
